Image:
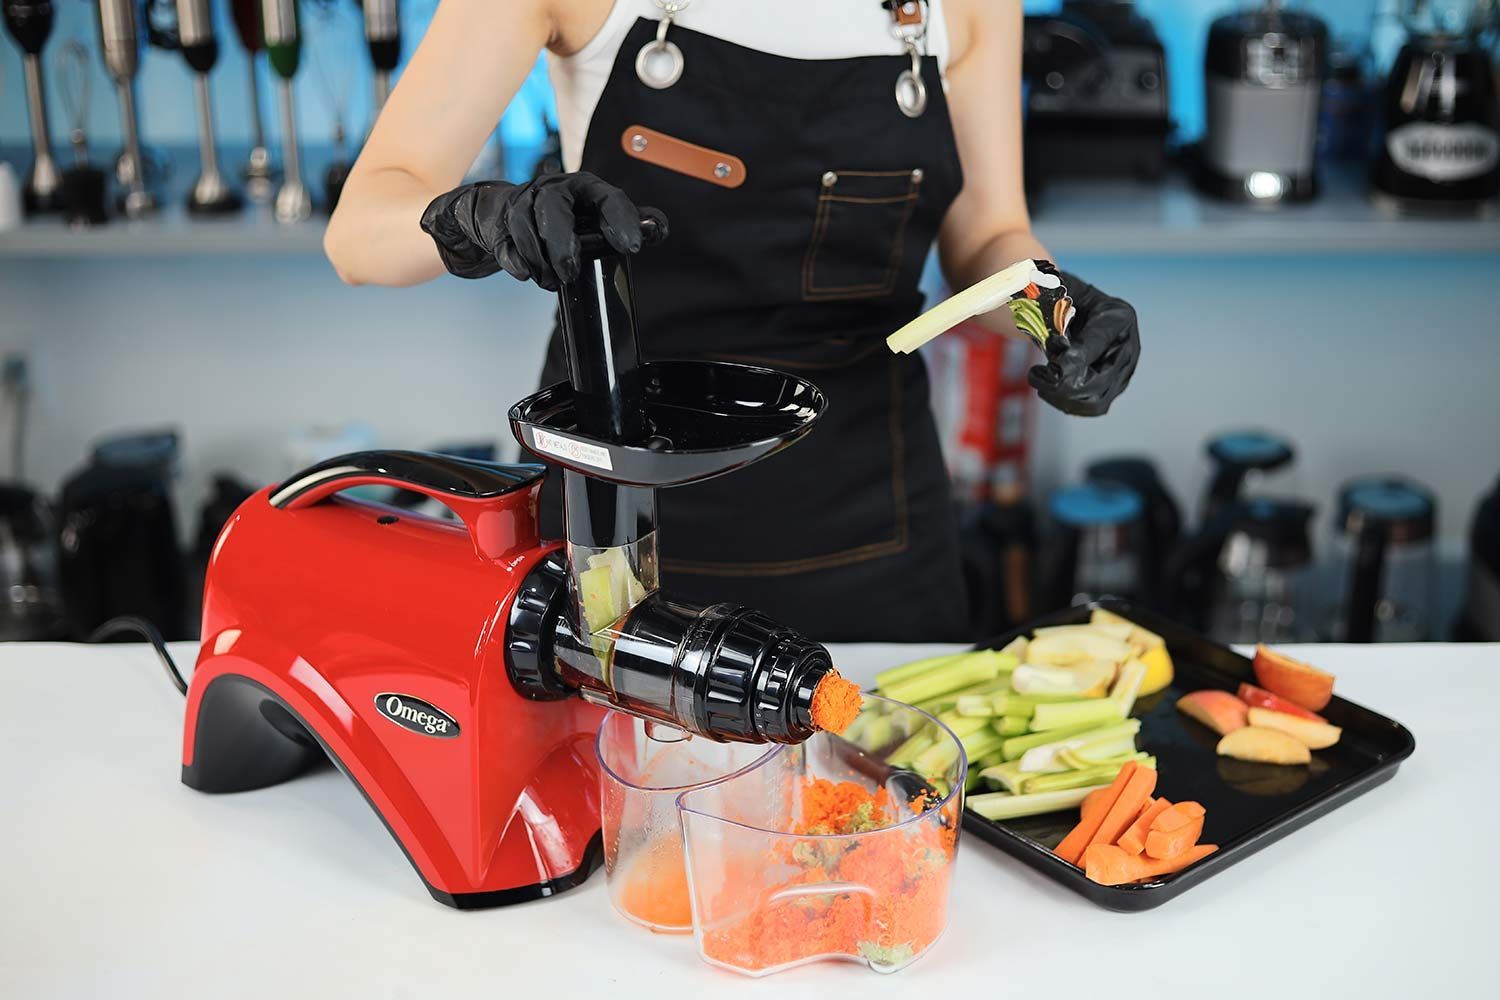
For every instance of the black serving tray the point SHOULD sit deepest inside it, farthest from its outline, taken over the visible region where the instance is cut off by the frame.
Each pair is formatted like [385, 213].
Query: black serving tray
[1248, 805]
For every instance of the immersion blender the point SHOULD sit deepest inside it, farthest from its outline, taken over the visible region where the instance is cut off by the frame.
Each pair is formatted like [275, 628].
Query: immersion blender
[30, 24]
[258, 171]
[120, 46]
[200, 47]
[383, 34]
[284, 50]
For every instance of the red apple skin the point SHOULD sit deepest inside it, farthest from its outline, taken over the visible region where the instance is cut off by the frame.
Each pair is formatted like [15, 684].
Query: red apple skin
[1218, 710]
[1261, 698]
[1295, 681]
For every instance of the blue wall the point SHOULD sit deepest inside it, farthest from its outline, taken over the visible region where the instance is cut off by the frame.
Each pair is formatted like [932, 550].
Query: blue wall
[166, 95]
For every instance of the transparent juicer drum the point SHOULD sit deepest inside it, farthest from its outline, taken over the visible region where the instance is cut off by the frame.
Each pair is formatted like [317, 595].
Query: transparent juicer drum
[1448, 18]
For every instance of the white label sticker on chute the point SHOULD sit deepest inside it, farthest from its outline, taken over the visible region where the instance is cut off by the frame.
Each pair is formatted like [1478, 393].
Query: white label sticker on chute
[570, 450]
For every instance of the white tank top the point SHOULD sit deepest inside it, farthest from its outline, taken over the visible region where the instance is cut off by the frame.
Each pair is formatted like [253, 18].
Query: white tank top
[819, 29]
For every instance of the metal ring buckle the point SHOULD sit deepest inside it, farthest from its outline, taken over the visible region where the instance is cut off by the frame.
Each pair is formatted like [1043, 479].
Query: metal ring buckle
[911, 90]
[660, 46]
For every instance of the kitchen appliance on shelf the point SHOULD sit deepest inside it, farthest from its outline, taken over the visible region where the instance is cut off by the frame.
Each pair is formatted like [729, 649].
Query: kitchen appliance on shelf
[1096, 105]
[117, 528]
[457, 673]
[1244, 463]
[30, 24]
[1479, 620]
[1262, 590]
[259, 171]
[383, 36]
[1384, 561]
[1161, 521]
[120, 45]
[284, 51]
[211, 194]
[30, 595]
[1263, 79]
[85, 187]
[1093, 545]
[1442, 113]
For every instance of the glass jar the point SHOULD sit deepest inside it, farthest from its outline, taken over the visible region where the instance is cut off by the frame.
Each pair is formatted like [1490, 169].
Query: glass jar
[1384, 561]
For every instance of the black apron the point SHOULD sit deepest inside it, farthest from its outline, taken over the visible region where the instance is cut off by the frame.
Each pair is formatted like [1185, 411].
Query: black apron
[806, 266]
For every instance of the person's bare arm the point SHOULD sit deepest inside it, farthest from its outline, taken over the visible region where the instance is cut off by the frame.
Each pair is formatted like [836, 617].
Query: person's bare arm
[471, 62]
[988, 227]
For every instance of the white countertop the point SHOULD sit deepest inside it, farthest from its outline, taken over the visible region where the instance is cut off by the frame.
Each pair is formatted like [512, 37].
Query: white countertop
[117, 881]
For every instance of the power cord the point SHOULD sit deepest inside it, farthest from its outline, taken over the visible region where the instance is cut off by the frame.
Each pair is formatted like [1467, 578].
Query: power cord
[135, 625]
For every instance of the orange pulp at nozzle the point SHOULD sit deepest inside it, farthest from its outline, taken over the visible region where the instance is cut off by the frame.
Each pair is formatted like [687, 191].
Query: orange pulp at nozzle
[835, 703]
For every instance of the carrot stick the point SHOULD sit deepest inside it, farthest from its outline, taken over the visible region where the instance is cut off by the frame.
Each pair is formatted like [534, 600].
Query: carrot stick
[1108, 864]
[1071, 848]
[1093, 802]
[1162, 845]
[1179, 815]
[1133, 840]
[1127, 807]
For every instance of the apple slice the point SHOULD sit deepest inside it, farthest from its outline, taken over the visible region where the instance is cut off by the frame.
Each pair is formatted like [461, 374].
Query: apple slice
[1261, 698]
[1294, 680]
[1317, 735]
[1264, 746]
[1218, 710]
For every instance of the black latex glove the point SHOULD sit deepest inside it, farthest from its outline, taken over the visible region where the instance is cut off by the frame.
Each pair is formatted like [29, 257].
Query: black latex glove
[527, 229]
[1104, 344]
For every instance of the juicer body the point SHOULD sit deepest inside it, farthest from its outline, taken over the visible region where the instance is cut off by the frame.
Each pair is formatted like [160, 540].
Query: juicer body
[333, 625]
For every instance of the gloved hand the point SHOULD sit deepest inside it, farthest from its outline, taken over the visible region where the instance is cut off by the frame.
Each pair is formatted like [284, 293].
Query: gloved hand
[527, 229]
[1104, 344]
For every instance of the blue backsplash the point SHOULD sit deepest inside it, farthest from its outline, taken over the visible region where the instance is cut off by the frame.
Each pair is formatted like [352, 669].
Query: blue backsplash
[334, 43]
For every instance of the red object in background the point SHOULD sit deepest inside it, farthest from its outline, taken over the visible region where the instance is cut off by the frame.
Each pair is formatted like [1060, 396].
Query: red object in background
[984, 409]
[318, 609]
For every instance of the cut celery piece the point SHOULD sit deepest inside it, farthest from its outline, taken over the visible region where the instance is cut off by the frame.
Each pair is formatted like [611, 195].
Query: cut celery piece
[914, 745]
[1037, 679]
[1001, 805]
[981, 297]
[1042, 757]
[976, 706]
[914, 669]
[1018, 745]
[1008, 776]
[1010, 725]
[1097, 711]
[1127, 686]
[1099, 773]
[963, 671]
[876, 734]
[1017, 648]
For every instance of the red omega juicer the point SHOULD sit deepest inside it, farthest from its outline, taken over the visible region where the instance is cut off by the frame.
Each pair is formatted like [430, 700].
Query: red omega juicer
[457, 672]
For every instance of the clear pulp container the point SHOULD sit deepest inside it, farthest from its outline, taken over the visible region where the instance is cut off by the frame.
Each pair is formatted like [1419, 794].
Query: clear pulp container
[644, 767]
[823, 851]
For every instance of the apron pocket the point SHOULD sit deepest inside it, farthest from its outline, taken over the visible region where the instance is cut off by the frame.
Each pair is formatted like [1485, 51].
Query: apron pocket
[858, 234]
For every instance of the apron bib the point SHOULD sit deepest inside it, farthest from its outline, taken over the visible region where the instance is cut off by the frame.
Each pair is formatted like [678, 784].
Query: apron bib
[802, 203]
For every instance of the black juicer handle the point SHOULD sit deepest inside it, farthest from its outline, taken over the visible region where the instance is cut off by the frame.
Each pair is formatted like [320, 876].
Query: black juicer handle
[445, 478]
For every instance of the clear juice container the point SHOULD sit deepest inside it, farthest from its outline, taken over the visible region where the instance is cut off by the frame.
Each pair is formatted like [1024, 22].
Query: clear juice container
[823, 851]
[644, 767]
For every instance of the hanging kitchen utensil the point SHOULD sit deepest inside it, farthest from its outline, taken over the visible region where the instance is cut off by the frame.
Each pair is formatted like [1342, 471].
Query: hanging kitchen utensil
[383, 36]
[333, 62]
[120, 46]
[30, 24]
[211, 194]
[85, 187]
[284, 51]
[259, 171]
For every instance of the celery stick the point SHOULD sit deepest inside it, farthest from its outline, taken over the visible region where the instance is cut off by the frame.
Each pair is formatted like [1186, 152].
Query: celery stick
[1043, 758]
[949, 702]
[915, 744]
[1097, 711]
[1017, 647]
[966, 669]
[909, 670]
[999, 805]
[962, 726]
[988, 760]
[1127, 686]
[977, 706]
[971, 780]
[1008, 776]
[1018, 745]
[1009, 725]
[876, 733]
[1077, 779]
[1100, 751]
[986, 741]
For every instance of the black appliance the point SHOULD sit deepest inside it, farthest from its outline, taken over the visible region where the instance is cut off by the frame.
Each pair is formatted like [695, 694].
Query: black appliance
[1263, 78]
[1442, 114]
[1261, 591]
[118, 534]
[1384, 530]
[1096, 104]
[1093, 546]
[1162, 520]
[30, 597]
[1480, 619]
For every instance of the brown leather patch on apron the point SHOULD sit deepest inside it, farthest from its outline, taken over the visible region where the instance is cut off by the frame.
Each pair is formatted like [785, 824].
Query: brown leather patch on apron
[683, 157]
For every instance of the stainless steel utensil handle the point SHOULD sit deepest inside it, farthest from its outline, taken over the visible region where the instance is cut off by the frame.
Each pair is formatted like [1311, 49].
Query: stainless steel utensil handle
[130, 132]
[36, 106]
[291, 156]
[208, 156]
[257, 128]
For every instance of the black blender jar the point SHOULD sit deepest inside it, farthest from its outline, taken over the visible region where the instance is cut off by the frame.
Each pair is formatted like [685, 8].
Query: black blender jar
[1442, 145]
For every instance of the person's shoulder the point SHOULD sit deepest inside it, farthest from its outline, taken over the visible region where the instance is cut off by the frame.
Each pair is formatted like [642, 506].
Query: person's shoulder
[975, 26]
[575, 22]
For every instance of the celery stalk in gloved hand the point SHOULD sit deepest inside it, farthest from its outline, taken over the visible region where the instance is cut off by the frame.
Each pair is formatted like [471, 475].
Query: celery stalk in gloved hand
[528, 229]
[1092, 365]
